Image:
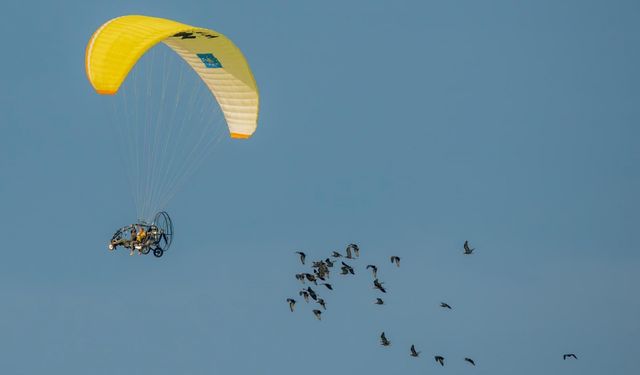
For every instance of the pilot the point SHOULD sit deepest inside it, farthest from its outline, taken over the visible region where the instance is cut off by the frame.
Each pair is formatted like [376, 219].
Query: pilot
[132, 240]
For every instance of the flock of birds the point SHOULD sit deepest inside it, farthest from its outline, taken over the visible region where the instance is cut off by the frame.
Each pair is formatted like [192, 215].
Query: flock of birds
[321, 270]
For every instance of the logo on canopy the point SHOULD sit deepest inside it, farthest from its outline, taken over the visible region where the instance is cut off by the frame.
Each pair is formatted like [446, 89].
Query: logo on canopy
[209, 60]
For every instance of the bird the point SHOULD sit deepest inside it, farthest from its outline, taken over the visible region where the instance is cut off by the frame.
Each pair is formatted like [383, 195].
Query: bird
[470, 361]
[300, 276]
[292, 303]
[467, 249]
[565, 356]
[320, 269]
[440, 359]
[384, 341]
[356, 249]
[336, 254]
[346, 269]
[328, 262]
[374, 270]
[317, 313]
[396, 260]
[312, 293]
[378, 285]
[319, 275]
[328, 286]
[445, 305]
[413, 351]
[322, 303]
[379, 301]
[348, 250]
[304, 295]
[311, 278]
[302, 256]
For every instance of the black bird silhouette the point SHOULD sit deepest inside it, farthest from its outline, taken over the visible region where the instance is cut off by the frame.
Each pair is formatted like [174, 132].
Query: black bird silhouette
[336, 254]
[470, 361]
[413, 351]
[319, 275]
[440, 360]
[467, 249]
[328, 286]
[311, 278]
[304, 295]
[348, 250]
[356, 249]
[292, 303]
[374, 269]
[565, 356]
[312, 293]
[347, 268]
[384, 341]
[300, 276]
[328, 262]
[396, 260]
[379, 301]
[378, 285]
[445, 305]
[322, 303]
[302, 256]
[317, 313]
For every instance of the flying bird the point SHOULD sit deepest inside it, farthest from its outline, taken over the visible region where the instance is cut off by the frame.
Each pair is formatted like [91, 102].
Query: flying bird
[319, 275]
[467, 249]
[317, 313]
[304, 295]
[396, 260]
[302, 256]
[328, 286]
[322, 303]
[356, 249]
[348, 268]
[384, 341]
[470, 361]
[312, 293]
[336, 254]
[328, 262]
[374, 270]
[348, 250]
[379, 301]
[445, 305]
[413, 351]
[440, 360]
[570, 355]
[378, 285]
[300, 276]
[311, 278]
[292, 303]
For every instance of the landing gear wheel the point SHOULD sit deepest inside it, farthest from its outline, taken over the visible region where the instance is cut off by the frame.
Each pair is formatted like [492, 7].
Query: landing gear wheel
[158, 252]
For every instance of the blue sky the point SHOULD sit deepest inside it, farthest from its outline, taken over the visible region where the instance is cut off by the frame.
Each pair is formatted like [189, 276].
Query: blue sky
[407, 127]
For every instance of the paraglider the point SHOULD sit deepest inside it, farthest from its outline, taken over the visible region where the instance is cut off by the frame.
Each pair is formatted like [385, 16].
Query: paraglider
[143, 237]
[167, 140]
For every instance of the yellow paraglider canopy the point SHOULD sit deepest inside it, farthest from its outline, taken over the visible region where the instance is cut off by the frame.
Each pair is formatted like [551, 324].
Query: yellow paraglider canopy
[118, 44]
